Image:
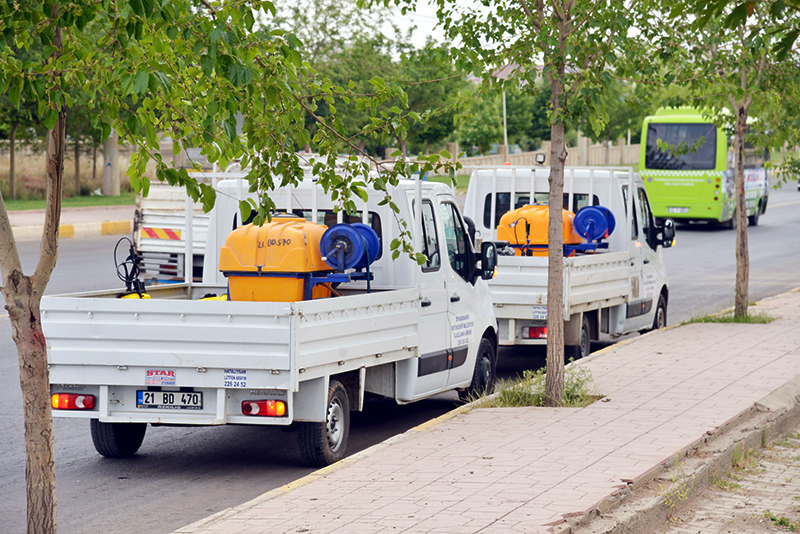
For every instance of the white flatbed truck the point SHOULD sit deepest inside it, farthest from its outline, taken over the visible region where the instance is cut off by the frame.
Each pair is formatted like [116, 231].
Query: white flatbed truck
[619, 290]
[173, 359]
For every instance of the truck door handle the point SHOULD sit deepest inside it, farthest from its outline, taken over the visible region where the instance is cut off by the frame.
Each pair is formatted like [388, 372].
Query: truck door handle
[455, 298]
[646, 261]
[425, 302]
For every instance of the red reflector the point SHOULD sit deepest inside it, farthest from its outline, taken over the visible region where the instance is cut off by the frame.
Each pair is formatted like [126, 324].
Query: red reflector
[264, 408]
[71, 401]
[534, 332]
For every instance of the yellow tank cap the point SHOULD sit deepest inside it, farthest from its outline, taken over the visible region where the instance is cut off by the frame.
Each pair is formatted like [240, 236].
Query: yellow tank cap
[134, 295]
[221, 297]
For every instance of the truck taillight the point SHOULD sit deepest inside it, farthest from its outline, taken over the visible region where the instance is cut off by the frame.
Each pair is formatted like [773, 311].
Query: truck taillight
[71, 401]
[534, 332]
[264, 408]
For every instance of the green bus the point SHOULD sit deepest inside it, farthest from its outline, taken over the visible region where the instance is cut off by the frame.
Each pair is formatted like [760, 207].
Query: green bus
[696, 184]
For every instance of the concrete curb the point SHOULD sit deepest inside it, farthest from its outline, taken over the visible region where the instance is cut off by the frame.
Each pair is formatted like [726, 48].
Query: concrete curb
[78, 230]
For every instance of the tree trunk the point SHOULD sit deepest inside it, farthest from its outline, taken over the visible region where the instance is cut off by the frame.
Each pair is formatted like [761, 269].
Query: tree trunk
[111, 165]
[77, 167]
[403, 146]
[554, 368]
[742, 256]
[12, 142]
[23, 295]
[94, 165]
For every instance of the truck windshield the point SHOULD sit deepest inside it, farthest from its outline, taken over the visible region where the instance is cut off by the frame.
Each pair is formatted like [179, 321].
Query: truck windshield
[698, 141]
[579, 200]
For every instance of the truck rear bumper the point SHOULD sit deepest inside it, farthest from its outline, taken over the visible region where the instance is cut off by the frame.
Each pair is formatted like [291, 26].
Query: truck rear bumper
[219, 406]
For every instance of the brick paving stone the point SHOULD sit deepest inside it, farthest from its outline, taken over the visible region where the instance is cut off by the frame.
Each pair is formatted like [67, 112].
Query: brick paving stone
[525, 469]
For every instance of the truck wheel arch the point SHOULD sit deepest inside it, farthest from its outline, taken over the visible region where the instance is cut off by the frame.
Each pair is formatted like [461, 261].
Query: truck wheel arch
[353, 385]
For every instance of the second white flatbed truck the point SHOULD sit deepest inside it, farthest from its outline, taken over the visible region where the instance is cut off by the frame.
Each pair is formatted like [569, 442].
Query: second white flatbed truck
[618, 290]
[173, 359]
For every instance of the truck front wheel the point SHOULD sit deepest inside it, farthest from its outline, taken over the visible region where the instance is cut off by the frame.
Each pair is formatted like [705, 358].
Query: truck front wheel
[660, 319]
[325, 442]
[117, 440]
[485, 373]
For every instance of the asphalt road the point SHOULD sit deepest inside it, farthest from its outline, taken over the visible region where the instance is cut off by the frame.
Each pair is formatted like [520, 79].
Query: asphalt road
[184, 474]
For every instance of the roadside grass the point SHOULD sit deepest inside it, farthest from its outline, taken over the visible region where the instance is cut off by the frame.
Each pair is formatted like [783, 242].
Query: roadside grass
[728, 317]
[462, 181]
[125, 199]
[529, 390]
[782, 521]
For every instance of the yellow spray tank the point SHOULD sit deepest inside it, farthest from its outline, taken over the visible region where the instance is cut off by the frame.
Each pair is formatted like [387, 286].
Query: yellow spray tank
[267, 263]
[525, 229]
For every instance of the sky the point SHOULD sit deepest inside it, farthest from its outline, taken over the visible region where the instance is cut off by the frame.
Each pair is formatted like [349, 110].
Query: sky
[424, 19]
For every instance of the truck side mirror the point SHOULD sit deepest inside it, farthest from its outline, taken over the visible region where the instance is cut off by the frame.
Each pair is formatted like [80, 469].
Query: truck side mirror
[667, 233]
[488, 259]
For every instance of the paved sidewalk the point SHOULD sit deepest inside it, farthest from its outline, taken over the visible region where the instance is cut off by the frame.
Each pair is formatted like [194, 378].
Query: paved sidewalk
[75, 222]
[528, 469]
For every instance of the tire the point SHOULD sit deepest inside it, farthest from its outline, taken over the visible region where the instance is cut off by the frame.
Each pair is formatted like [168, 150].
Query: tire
[324, 443]
[576, 352]
[117, 440]
[660, 319]
[752, 220]
[730, 224]
[586, 338]
[485, 373]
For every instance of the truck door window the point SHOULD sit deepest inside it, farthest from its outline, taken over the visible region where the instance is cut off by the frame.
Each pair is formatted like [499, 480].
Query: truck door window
[430, 241]
[635, 226]
[455, 238]
[646, 217]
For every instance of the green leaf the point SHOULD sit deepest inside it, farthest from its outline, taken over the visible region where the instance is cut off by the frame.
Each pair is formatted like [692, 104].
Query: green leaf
[140, 82]
[137, 7]
[207, 63]
[15, 91]
[245, 209]
[209, 197]
[215, 34]
[50, 119]
[229, 127]
[233, 73]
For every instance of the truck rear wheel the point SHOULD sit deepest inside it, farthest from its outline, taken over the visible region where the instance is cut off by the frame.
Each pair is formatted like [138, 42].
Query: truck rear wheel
[117, 440]
[324, 443]
[485, 373]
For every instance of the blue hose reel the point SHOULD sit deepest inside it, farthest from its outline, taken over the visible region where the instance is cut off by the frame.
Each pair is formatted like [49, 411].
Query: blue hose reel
[349, 246]
[594, 223]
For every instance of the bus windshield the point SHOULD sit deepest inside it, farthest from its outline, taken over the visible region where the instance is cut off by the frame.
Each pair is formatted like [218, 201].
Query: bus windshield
[681, 136]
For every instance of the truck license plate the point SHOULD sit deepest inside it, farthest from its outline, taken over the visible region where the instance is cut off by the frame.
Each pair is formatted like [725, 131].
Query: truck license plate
[678, 210]
[539, 313]
[169, 400]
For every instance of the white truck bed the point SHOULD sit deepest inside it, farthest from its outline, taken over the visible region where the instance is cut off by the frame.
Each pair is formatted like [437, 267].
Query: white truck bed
[108, 344]
[590, 282]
